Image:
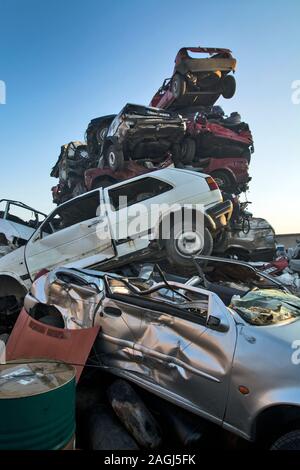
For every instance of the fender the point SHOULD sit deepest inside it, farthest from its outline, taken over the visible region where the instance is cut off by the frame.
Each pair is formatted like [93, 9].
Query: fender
[207, 219]
[24, 283]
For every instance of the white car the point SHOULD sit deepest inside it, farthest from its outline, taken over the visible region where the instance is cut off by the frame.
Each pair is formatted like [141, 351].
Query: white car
[18, 222]
[98, 229]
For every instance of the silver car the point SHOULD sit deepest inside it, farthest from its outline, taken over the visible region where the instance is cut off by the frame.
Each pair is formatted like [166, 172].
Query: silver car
[224, 344]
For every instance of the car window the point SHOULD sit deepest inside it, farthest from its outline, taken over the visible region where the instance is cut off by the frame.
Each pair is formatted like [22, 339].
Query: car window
[191, 306]
[72, 213]
[137, 191]
[21, 215]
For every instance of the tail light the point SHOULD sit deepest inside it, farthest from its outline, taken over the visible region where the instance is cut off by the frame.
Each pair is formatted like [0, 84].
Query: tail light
[212, 183]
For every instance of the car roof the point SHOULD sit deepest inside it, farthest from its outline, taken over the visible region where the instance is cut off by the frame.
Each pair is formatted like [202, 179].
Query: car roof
[172, 175]
[169, 175]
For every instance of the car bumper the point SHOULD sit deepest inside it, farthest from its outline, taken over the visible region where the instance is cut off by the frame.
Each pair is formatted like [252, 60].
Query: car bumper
[220, 214]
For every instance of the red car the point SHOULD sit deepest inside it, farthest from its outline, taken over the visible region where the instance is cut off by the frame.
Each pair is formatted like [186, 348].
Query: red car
[216, 136]
[197, 81]
[231, 174]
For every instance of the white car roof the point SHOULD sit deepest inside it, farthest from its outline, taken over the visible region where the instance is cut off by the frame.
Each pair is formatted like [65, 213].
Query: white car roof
[172, 175]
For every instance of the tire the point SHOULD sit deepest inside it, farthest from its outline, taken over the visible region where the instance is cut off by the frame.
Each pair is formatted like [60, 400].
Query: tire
[178, 86]
[188, 150]
[101, 134]
[289, 441]
[52, 321]
[115, 158]
[228, 86]
[224, 181]
[178, 253]
[134, 415]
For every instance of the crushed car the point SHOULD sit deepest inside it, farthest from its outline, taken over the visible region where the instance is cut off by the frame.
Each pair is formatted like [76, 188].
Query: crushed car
[197, 81]
[142, 133]
[226, 357]
[231, 174]
[108, 227]
[72, 162]
[219, 136]
[17, 223]
[95, 135]
[250, 239]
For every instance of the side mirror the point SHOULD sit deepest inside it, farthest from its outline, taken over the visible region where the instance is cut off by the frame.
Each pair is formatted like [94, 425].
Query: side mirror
[217, 323]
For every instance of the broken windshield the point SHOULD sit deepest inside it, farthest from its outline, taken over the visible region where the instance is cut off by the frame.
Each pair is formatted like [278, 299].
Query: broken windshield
[267, 306]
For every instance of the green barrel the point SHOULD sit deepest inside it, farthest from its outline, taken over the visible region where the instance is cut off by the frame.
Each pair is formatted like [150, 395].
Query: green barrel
[37, 405]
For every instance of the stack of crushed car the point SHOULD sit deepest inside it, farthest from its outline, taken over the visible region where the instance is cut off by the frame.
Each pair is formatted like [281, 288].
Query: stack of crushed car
[135, 293]
[182, 127]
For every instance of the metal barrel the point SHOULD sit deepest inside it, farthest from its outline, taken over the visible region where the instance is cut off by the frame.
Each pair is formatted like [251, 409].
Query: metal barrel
[37, 405]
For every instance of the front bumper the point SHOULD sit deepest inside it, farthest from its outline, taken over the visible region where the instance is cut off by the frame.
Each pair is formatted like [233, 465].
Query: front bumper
[220, 214]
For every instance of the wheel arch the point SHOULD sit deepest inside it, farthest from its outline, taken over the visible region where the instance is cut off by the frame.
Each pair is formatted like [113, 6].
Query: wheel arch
[113, 140]
[11, 284]
[275, 420]
[227, 172]
[208, 222]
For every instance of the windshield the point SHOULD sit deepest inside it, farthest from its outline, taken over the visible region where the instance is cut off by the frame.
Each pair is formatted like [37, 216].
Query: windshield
[266, 307]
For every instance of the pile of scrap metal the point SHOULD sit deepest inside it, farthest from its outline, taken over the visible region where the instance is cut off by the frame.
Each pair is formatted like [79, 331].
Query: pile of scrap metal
[286, 268]
[72, 162]
[182, 127]
[187, 341]
[97, 230]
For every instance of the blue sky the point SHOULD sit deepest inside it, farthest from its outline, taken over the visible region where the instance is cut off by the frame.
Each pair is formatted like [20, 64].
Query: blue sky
[67, 61]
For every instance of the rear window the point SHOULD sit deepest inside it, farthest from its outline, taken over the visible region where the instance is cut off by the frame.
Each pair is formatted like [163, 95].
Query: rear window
[137, 191]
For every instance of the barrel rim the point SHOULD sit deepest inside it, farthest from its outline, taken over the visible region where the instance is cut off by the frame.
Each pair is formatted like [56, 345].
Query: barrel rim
[37, 361]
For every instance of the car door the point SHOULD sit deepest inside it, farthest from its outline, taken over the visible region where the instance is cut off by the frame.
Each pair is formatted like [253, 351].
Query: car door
[19, 221]
[186, 358]
[71, 235]
[120, 324]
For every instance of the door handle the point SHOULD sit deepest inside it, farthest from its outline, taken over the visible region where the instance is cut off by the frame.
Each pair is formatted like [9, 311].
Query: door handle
[95, 223]
[113, 312]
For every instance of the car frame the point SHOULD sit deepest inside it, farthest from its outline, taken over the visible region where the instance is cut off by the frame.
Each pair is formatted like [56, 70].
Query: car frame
[197, 80]
[143, 133]
[88, 231]
[196, 352]
[16, 230]
[253, 240]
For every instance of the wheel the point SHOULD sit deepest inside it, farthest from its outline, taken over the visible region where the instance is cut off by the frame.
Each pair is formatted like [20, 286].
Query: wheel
[188, 150]
[101, 134]
[228, 86]
[134, 415]
[289, 441]
[185, 242]
[52, 321]
[115, 158]
[178, 86]
[223, 180]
